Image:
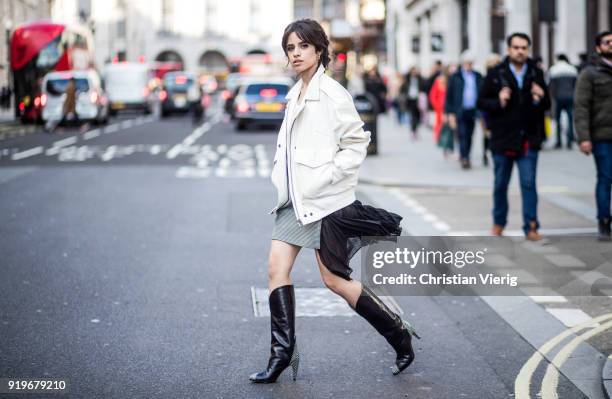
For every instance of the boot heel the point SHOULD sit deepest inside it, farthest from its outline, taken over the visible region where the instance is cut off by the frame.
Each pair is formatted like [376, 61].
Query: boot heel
[411, 329]
[295, 362]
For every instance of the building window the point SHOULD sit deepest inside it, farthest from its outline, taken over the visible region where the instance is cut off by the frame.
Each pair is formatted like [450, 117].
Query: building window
[416, 44]
[465, 39]
[121, 30]
[498, 25]
[437, 43]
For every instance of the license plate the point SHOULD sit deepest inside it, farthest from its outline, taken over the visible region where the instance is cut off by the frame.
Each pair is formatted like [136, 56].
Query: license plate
[180, 101]
[117, 105]
[268, 107]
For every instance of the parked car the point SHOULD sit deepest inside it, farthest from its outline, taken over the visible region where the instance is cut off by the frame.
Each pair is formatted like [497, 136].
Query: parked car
[91, 100]
[127, 85]
[180, 93]
[261, 100]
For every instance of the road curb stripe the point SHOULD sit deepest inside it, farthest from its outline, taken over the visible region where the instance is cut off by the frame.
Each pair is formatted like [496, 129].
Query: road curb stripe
[523, 380]
[551, 378]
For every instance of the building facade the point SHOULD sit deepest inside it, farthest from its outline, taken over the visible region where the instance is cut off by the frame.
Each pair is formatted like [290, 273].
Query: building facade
[198, 33]
[423, 31]
[12, 14]
[356, 29]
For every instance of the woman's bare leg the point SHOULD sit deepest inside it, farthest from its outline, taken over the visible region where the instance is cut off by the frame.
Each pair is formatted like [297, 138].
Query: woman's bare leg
[349, 290]
[280, 262]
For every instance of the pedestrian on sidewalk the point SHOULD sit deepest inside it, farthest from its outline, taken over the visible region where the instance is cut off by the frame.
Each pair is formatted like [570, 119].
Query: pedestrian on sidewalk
[411, 89]
[515, 97]
[593, 113]
[461, 99]
[562, 76]
[437, 98]
[374, 85]
[395, 82]
[493, 61]
[436, 70]
[321, 145]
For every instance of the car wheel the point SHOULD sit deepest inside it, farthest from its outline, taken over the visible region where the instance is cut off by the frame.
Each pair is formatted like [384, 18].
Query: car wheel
[241, 125]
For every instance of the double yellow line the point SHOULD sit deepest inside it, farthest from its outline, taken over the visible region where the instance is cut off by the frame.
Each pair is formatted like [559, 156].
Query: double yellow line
[551, 378]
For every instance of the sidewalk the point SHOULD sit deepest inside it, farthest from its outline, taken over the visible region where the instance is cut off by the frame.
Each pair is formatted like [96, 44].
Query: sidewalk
[404, 162]
[418, 171]
[7, 115]
[11, 127]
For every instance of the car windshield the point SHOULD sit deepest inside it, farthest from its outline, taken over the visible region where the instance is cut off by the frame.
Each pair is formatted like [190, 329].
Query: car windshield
[267, 90]
[178, 82]
[58, 86]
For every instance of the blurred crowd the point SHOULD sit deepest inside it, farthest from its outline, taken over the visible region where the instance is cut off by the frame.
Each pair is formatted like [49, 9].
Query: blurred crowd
[430, 99]
[518, 104]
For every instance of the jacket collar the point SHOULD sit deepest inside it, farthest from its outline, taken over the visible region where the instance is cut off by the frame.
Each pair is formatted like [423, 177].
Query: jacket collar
[602, 65]
[312, 92]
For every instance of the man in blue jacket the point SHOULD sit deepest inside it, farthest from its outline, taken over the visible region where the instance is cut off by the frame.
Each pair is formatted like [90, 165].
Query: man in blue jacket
[460, 106]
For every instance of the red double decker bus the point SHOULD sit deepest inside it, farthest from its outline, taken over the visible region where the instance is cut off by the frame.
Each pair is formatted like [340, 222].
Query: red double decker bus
[41, 47]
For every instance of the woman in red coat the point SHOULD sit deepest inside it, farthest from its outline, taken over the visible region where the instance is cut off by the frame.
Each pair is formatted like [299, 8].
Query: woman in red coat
[437, 96]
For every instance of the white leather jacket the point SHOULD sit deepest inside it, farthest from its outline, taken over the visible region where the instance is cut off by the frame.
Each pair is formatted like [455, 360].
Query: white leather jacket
[323, 144]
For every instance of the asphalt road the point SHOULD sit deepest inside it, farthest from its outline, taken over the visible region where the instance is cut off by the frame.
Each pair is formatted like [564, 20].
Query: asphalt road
[131, 256]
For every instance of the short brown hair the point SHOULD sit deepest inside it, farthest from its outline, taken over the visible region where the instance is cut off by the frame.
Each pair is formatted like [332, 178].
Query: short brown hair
[311, 32]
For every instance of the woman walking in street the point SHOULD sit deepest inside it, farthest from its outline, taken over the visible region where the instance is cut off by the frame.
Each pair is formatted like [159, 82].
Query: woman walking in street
[320, 146]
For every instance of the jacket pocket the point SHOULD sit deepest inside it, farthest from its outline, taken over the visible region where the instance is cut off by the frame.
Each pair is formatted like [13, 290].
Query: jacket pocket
[314, 169]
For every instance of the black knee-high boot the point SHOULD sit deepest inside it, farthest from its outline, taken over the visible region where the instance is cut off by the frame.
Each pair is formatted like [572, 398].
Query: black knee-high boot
[397, 332]
[283, 349]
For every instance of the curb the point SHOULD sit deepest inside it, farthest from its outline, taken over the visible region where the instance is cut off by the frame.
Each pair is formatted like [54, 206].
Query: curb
[606, 378]
[391, 183]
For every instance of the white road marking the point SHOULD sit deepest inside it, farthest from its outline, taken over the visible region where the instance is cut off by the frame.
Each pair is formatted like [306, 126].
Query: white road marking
[91, 134]
[417, 208]
[57, 146]
[565, 260]
[109, 153]
[27, 153]
[65, 142]
[548, 298]
[188, 141]
[111, 128]
[571, 317]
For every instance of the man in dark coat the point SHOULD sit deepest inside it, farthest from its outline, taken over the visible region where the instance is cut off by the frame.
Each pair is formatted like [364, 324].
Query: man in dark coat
[461, 99]
[593, 117]
[515, 97]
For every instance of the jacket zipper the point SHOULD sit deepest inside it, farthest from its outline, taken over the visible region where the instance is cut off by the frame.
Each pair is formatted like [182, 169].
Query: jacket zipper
[287, 160]
[286, 169]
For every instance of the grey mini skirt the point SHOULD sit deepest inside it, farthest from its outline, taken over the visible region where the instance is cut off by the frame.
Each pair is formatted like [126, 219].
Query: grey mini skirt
[287, 229]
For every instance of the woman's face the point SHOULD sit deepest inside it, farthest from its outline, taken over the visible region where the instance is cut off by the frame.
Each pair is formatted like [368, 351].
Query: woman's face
[302, 55]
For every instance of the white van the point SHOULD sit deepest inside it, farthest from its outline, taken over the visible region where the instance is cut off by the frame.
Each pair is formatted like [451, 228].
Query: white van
[127, 86]
[91, 101]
